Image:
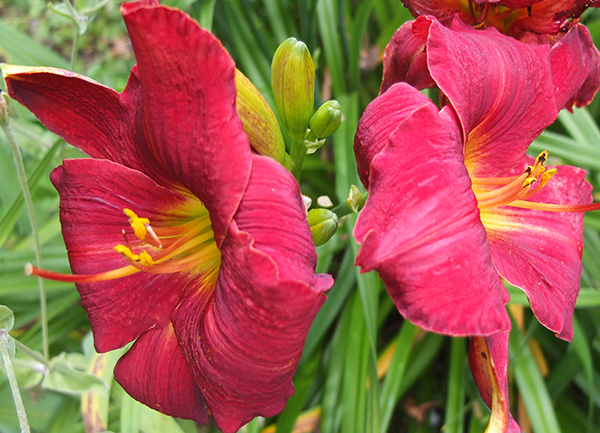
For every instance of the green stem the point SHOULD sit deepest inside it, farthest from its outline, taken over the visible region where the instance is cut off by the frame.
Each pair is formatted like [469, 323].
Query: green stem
[344, 208]
[74, 49]
[297, 153]
[33, 354]
[12, 140]
[12, 380]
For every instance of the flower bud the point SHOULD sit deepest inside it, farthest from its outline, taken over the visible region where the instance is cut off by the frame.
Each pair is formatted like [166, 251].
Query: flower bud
[323, 224]
[259, 121]
[326, 120]
[293, 82]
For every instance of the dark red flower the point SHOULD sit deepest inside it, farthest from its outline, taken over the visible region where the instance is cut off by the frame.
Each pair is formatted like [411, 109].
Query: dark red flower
[215, 280]
[543, 20]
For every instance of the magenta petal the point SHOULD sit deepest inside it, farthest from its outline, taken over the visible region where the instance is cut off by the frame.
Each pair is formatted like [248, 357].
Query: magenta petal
[379, 120]
[188, 95]
[244, 342]
[93, 195]
[420, 230]
[488, 358]
[155, 373]
[575, 68]
[540, 251]
[509, 98]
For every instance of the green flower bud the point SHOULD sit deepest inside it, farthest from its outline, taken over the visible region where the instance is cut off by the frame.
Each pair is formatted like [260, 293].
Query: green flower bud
[293, 82]
[326, 120]
[259, 121]
[323, 224]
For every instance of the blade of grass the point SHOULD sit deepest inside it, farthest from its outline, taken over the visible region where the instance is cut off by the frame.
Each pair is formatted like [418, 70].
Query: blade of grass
[455, 404]
[530, 384]
[390, 389]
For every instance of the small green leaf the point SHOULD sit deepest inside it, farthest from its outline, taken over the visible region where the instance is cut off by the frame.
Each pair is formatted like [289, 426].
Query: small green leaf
[66, 378]
[7, 318]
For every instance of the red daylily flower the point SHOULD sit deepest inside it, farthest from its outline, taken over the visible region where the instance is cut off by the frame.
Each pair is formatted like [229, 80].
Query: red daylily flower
[413, 56]
[542, 20]
[215, 280]
[454, 202]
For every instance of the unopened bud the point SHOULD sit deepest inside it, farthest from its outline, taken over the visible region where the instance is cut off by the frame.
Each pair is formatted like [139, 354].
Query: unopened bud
[259, 121]
[323, 224]
[326, 120]
[293, 82]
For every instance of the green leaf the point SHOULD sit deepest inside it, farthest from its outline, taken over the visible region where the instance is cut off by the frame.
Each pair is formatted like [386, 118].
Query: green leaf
[67, 379]
[531, 385]
[7, 318]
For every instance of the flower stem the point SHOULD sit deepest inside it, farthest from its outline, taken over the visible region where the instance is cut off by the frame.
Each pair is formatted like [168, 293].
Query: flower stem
[74, 49]
[12, 140]
[344, 209]
[297, 153]
[33, 354]
[12, 380]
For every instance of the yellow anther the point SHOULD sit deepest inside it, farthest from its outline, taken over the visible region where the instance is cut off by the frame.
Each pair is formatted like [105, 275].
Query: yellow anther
[547, 176]
[146, 259]
[137, 224]
[528, 181]
[538, 167]
[122, 249]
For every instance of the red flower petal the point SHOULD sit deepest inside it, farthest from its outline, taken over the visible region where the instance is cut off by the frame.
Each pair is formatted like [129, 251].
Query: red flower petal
[243, 343]
[405, 58]
[488, 358]
[540, 251]
[273, 213]
[509, 100]
[420, 230]
[155, 373]
[379, 120]
[575, 68]
[188, 96]
[93, 195]
[85, 113]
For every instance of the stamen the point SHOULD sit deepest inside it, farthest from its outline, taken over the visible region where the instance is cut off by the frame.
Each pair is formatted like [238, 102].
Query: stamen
[142, 229]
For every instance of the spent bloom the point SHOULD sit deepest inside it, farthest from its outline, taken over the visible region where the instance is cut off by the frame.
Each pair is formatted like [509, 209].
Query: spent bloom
[178, 235]
[455, 204]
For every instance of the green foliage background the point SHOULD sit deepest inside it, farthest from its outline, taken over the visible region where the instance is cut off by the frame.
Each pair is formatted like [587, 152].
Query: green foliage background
[427, 386]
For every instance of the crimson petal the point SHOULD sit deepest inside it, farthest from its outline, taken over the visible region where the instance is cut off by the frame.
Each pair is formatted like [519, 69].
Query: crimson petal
[188, 97]
[379, 120]
[405, 57]
[420, 229]
[488, 358]
[96, 119]
[575, 68]
[243, 343]
[510, 97]
[155, 373]
[93, 195]
[273, 213]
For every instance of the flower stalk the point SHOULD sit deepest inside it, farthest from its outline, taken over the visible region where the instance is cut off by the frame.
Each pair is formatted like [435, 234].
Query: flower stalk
[6, 125]
[12, 380]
